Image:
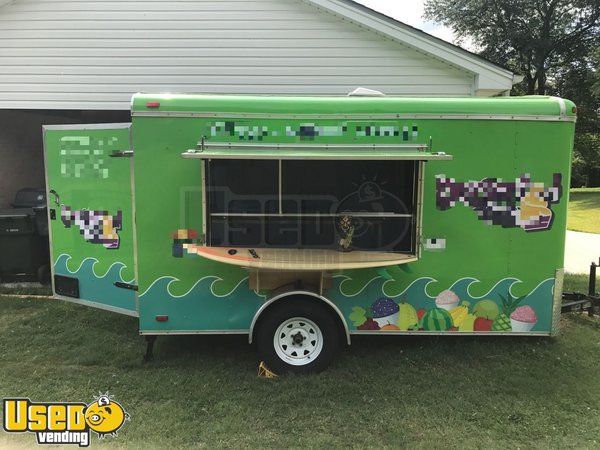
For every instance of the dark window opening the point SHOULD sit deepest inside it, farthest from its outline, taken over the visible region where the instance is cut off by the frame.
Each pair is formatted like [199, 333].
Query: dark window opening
[350, 205]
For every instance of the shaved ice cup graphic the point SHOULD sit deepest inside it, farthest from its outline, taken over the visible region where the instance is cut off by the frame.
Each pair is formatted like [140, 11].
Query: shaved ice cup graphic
[447, 300]
[523, 319]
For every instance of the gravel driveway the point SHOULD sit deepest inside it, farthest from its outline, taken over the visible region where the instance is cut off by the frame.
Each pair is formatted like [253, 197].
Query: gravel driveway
[580, 250]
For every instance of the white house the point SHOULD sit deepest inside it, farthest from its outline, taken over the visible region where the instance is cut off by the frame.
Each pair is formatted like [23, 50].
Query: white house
[65, 61]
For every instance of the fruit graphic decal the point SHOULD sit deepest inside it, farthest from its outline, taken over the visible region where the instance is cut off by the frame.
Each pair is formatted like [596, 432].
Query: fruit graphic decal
[449, 314]
[409, 319]
[486, 309]
[482, 324]
[358, 316]
[385, 312]
[523, 319]
[459, 314]
[468, 323]
[509, 305]
[447, 300]
[362, 320]
[369, 324]
[436, 319]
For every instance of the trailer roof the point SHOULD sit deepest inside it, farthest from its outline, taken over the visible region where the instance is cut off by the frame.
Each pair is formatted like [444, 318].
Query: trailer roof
[524, 108]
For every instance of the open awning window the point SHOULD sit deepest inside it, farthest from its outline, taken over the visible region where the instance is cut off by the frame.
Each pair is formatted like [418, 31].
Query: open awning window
[362, 152]
[312, 207]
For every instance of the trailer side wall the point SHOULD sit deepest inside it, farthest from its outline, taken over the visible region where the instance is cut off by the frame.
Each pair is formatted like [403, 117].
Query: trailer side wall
[488, 255]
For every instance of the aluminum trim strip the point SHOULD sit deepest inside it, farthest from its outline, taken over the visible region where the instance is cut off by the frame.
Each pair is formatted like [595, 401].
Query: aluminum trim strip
[188, 114]
[269, 302]
[557, 300]
[136, 272]
[48, 208]
[115, 309]
[562, 105]
[91, 126]
[448, 333]
[204, 203]
[354, 333]
[420, 195]
[275, 146]
[324, 157]
[174, 332]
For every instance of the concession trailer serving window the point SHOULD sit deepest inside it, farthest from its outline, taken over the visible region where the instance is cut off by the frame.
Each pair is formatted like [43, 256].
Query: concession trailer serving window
[311, 207]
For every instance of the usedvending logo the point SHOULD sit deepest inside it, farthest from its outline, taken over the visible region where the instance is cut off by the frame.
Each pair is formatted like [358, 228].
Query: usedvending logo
[64, 423]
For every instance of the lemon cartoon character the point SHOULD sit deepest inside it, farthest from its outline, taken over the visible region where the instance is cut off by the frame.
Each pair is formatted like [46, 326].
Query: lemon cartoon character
[105, 416]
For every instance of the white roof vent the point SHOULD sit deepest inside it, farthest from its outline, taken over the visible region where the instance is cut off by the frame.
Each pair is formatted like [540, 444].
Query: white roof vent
[364, 92]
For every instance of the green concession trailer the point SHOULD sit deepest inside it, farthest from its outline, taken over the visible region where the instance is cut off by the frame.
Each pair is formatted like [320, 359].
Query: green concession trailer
[302, 221]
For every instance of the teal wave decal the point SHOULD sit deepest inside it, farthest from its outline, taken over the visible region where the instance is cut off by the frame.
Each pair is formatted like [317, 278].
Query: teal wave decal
[214, 286]
[95, 287]
[201, 307]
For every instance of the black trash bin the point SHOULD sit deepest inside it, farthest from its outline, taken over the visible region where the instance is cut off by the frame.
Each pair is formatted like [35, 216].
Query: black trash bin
[24, 246]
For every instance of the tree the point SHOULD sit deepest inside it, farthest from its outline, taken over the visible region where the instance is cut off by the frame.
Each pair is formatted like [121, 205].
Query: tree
[554, 44]
[532, 37]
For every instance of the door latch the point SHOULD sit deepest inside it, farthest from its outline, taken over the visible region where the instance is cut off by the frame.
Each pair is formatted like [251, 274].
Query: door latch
[122, 154]
[131, 287]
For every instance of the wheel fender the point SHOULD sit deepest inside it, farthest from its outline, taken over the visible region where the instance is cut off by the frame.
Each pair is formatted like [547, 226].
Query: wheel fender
[283, 295]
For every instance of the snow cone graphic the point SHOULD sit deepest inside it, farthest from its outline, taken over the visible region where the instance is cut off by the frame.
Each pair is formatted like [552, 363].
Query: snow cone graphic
[447, 300]
[523, 319]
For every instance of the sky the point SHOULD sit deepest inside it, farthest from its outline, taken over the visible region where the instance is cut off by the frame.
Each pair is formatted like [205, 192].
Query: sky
[409, 12]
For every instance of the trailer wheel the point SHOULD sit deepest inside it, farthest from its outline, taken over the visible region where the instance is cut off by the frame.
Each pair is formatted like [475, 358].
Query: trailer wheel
[297, 336]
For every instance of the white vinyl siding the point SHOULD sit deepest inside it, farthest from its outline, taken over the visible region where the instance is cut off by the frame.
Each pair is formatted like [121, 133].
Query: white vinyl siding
[81, 54]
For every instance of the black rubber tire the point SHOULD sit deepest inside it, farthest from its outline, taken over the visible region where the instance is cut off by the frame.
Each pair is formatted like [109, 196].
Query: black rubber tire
[285, 309]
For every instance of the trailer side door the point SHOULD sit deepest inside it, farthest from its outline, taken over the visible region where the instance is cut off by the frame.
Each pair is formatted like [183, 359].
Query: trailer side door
[89, 189]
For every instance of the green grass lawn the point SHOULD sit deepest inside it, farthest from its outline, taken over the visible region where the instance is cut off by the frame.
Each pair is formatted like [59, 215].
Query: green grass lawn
[575, 282]
[423, 392]
[584, 210]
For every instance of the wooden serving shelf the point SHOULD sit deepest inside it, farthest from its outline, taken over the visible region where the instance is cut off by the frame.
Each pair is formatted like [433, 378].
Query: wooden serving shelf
[299, 259]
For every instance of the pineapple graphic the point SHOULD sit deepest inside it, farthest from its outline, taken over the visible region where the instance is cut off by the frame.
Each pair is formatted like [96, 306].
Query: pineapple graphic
[509, 304]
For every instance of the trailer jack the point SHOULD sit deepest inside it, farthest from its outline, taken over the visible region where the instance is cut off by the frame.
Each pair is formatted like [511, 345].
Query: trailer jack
[150, 340]
[590, 302]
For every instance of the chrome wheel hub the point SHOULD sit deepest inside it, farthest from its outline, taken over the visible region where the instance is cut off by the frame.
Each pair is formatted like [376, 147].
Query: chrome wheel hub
[298, 341]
